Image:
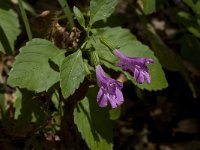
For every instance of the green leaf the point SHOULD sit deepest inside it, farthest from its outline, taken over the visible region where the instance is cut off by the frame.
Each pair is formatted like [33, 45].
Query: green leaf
[72, 73]
[149, 6]
[101, 9]
[32, 69]
[79, 16]
[133, 48]
[93, 122]
[9, 25]
[195, 5]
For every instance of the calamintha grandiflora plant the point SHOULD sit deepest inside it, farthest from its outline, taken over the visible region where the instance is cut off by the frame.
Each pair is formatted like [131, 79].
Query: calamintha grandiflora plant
[41, 67]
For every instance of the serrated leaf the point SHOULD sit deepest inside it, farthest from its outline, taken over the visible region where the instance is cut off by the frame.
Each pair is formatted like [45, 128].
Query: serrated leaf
[72, 73]
[79, 16]
[93, 122]
[131, 47]
[32, 69]
[10, 30]
[101, 9]
[149, 6]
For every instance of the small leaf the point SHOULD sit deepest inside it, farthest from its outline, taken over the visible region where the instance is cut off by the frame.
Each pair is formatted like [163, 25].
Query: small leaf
[72, 73]
[79, 16]
[101, 9]
[9, 30]
[93, 122]
[149, 6]
[31, 69]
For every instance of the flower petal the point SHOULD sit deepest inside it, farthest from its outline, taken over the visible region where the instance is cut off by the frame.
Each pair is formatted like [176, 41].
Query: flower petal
[102, 98]
[117, 99]
[149, 61]
[120, 98]
[140, 78]
[147, 77]
[100, 74]
[136, 73]
[119, 54]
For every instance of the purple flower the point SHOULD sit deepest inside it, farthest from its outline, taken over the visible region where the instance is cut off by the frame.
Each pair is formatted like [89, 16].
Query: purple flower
[136, 66]
[110, 89]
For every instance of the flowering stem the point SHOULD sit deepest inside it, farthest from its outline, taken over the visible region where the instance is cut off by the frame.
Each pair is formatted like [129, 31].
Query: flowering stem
[25, 20]
[67, 12]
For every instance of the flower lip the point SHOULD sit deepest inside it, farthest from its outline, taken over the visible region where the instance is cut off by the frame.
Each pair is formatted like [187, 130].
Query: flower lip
[110, 89]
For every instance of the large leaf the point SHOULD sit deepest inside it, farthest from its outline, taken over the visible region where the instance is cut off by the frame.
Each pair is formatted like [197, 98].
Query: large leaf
[32, 69]
[72, 73]
[93, 123]
[9, 25]
[131, 47]
[101, 9]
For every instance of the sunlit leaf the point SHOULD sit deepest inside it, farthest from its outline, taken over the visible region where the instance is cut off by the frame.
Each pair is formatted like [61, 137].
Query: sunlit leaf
[72, 73]
[32, 69]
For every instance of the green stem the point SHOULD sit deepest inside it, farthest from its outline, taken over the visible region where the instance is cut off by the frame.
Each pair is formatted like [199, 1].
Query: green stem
[67, 12]
[25, 20]
[94, 57]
